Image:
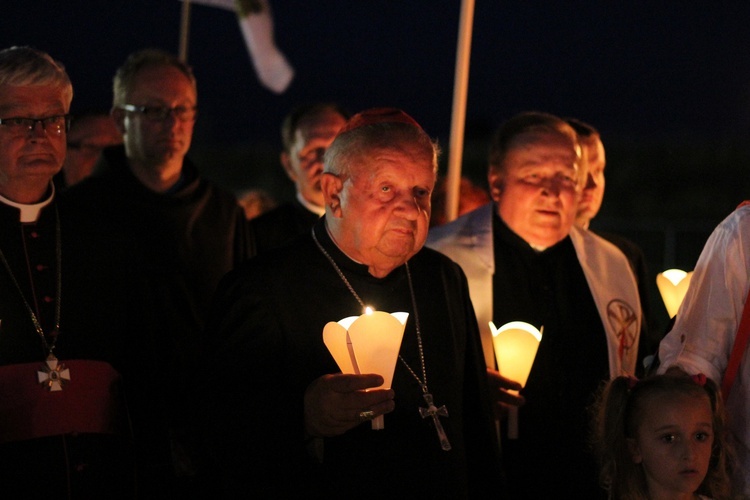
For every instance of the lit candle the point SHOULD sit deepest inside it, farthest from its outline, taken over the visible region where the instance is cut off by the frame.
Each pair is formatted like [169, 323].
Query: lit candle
[367, 344]
[673, 285]
[515, 345]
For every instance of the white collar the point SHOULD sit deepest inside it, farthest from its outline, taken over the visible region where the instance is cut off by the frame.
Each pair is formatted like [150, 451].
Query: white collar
[310, 206]
[30, 212]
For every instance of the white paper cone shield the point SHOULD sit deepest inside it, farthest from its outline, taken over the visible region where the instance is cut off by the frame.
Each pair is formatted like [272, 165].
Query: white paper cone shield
[515, 345]
[673, 290]
[376, 339]
[334, 337]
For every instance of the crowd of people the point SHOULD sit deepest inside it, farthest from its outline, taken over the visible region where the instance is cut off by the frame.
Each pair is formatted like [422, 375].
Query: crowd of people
[158, 341]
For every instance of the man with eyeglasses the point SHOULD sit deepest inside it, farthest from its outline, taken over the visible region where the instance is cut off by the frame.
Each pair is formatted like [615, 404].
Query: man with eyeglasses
[67, 333]
[191, 231]
[306, 133]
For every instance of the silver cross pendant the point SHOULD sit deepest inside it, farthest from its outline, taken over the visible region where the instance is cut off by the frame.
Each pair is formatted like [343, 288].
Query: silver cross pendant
[435, 413]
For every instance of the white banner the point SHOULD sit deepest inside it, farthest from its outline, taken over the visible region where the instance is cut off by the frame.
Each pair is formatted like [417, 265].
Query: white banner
[271, 66]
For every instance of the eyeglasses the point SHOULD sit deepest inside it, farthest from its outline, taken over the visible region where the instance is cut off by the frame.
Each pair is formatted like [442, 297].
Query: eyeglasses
[159, 113]
[52, 124]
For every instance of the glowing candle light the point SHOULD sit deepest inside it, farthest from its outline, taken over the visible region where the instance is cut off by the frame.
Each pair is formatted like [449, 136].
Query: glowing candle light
[515, 345]
[367, 344]
[673, 285]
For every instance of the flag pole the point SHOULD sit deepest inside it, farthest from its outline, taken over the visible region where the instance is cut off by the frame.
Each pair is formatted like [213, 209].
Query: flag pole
[458, 119]
[184, 30]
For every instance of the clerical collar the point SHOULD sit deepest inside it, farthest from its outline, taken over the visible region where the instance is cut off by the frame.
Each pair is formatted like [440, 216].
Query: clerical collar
[504, 231]
[30, 212]
[310, 206]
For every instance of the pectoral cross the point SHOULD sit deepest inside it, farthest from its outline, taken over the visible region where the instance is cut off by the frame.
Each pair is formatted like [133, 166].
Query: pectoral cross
[53, 374]
[435, 413]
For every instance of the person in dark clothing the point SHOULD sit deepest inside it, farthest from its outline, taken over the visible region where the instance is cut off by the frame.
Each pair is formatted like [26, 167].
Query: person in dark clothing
[191, 232]
[526, 261]
[306, 133]
[70, 344]
[281, 415]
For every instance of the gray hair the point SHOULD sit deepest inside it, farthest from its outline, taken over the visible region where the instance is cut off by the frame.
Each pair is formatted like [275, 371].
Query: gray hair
[357, 143]
[29, 67]
[122, 83]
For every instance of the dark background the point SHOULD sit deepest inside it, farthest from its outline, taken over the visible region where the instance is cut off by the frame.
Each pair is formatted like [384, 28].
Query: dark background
[665, 82]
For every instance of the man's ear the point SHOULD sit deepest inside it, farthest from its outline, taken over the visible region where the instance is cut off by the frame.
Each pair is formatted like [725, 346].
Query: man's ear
[332, 185]
[118, 115]
[286, 162]
[495, 182]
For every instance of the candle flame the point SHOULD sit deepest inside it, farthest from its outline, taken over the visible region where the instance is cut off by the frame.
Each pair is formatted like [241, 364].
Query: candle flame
[368, 310]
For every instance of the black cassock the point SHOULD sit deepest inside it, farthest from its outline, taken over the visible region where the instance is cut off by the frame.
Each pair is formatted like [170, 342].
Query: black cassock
[77, 442]
[266, 347]
[549, 289]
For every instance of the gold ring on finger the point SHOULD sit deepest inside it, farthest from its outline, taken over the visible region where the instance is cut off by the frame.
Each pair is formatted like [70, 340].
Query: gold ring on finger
[366, 415]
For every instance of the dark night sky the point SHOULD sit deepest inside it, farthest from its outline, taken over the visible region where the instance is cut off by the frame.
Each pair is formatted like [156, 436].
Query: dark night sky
[633, 68]
[665, 82]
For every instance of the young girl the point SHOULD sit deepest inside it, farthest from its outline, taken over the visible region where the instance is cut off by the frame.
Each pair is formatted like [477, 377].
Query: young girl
[662, 438]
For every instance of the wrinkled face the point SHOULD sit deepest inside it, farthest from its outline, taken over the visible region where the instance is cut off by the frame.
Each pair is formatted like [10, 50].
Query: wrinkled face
[537, 194]
[86, 140]
[157, 142]
[30, 158]
[304, 162]
[385, 206]
[673, 444]
[593, 189]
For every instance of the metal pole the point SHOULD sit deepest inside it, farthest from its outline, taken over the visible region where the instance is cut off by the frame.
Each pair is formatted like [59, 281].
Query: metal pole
[184, 30]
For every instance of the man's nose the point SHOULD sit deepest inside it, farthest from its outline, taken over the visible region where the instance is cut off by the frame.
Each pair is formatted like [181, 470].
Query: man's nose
[590, 182]
[38, 129]
[551, 185]
[409, 205]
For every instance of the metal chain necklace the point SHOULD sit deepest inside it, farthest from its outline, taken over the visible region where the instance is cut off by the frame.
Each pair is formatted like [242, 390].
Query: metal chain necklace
[431, 410]
[52, 375]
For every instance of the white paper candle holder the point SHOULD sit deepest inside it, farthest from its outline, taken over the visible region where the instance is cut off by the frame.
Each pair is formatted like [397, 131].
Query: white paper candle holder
[673, 285]
[515, 345]
[369, 343]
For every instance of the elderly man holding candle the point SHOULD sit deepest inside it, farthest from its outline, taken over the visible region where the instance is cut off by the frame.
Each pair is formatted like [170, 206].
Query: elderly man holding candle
[526, 261]
[280, 415]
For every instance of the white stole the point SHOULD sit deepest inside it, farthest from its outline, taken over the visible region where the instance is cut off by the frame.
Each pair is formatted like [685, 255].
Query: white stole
[469, 241]
[615, 290]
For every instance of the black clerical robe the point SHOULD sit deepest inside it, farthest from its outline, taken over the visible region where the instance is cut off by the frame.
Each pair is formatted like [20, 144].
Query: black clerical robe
[548, 289]
[189, 237]
[268, 320]
[78, 442]
[279, 226]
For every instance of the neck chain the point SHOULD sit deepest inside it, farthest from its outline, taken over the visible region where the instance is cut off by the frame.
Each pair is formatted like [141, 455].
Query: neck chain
[431, 410]
[52, 375]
